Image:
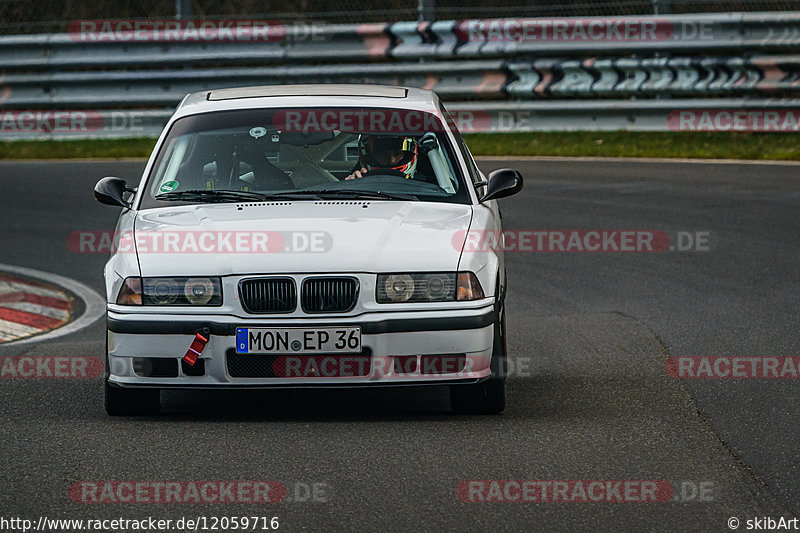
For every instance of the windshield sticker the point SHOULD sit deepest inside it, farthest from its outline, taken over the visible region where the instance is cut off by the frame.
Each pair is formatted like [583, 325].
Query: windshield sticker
[169, 186]
[257, 132]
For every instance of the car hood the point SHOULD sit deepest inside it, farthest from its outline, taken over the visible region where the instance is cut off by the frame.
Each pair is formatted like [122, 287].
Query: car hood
[292, 237]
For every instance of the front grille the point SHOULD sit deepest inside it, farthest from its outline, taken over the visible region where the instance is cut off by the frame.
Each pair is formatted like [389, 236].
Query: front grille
[329, 295]
[298, 366]
[268, 295]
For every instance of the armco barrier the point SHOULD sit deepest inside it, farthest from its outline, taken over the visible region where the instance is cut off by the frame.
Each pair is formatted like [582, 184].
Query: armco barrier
[722, 114]
[502, 38]
[646, 77]
[562, 73]
[654, 76]
[313, 43]
[742, 32]
[111, 88]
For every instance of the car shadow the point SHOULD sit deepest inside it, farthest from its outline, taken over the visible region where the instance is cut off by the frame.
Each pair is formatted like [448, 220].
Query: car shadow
[307, 404]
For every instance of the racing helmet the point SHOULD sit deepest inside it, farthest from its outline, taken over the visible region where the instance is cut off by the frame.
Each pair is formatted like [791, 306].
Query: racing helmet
[395, 153]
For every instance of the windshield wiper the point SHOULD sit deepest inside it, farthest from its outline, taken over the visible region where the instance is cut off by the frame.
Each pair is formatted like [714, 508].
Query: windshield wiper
[293, 195]
[374, 195]
[210, 196]
[248, 196]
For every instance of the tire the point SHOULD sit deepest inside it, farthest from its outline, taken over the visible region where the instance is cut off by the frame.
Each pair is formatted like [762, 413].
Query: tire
[131, 402]
[487, 397]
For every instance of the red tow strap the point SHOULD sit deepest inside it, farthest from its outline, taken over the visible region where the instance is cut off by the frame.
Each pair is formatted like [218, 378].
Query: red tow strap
[195, 349]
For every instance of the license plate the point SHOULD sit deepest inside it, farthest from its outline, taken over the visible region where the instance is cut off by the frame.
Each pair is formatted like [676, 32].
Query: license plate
[298, 340]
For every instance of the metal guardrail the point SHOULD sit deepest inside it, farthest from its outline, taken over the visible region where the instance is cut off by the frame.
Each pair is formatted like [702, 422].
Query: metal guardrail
[24, 16]
[736, 32]
[740, 32]
[547, 68]
[648, 77]
[655, 76]
[719, 114]
[166, 87]
[76, 50]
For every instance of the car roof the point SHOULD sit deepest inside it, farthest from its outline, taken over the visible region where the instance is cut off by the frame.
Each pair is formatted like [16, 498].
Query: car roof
[384, 91]
[310, 95]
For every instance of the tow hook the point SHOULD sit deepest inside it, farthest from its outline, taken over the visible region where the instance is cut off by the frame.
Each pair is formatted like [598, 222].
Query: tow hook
[200, 340]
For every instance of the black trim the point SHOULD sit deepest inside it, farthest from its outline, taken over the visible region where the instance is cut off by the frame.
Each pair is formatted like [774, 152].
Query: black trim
[431, 382]
[260, 365]
[401, 325]
[155, 367]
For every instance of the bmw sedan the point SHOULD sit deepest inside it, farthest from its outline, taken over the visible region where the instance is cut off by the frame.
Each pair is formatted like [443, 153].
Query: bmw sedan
[307, 236]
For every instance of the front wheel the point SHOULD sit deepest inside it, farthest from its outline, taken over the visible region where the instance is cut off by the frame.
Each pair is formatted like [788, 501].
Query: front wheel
[487, 397]
[131, 402]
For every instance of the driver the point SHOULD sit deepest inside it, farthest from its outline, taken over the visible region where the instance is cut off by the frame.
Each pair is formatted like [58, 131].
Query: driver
[386, 153]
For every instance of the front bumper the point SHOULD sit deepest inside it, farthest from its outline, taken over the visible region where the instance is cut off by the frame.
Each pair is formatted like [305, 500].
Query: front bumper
[399, 348]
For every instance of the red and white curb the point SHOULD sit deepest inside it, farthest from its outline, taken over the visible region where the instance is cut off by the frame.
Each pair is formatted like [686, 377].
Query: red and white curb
[28, 308]
[35, 305]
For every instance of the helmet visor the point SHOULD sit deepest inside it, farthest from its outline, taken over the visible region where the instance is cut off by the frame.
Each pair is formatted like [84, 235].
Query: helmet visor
[389, 152]
[389, 158]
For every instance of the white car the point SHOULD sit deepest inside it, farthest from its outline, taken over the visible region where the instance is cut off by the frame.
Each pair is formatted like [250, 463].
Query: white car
[307, 236]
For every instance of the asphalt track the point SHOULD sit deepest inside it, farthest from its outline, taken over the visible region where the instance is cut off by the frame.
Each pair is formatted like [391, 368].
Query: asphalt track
[588, 332]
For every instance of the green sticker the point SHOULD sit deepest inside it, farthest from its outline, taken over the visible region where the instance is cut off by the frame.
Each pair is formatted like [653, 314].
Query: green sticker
[169, 186]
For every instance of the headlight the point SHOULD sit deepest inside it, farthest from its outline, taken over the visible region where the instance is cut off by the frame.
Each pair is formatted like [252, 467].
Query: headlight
[200, 291]
[171, 291]
[395, 288]
[161, 291]
[427, 287]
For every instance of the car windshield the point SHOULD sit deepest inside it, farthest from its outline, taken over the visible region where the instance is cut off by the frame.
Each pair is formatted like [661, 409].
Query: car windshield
[306, 153]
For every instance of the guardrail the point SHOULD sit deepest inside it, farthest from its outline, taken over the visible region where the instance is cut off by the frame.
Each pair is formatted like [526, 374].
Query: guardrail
[649, 67]
[742, 32]
[99, 49]
[720, 114]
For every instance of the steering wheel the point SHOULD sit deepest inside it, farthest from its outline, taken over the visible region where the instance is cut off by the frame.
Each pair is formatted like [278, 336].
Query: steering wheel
[384, 172]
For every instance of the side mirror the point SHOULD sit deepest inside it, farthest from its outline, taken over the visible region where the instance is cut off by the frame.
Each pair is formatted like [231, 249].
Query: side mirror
[110, 191]
[502, 183]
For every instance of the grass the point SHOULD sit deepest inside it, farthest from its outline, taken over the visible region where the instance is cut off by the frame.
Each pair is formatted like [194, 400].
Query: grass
[779, 146]
[78, 149]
